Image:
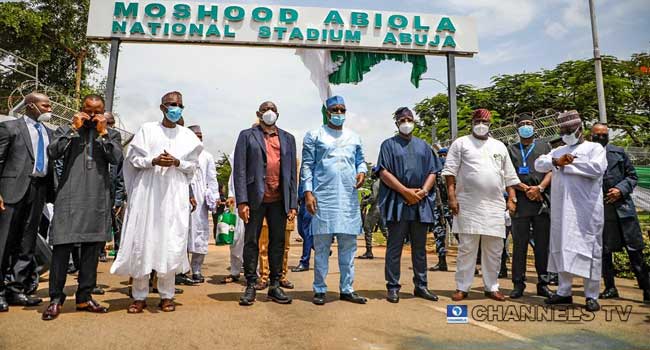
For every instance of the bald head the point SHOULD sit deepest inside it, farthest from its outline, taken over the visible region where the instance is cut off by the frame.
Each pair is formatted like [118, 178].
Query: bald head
[600, 134]
[37, 104]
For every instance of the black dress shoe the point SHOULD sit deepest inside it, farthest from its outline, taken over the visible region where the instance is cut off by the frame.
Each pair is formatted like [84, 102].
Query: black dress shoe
[249, 296]
[392, 296]
[277, 295]
[367, 255]
[92, 306]
[319, 299]
[592, 305]
[424, 293]
[558, 300]
[20, 299]
[517, 293]
[300, 268]
[544, 291]
[609, 293]
[441, 265]
[4, 306]
[52, 312]
[182, 278]
[198, 278]
[287, 284]
[353, 298]
[97, 291]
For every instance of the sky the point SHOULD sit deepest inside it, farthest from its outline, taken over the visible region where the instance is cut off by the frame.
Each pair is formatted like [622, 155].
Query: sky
[223, 86]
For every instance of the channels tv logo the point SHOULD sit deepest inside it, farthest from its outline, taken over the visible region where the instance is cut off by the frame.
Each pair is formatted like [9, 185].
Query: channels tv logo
[457, 314]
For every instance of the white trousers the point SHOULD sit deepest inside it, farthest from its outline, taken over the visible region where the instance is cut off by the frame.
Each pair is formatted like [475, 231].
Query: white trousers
[565, 282]
[196, 262]
[166, 286]
[491, 248]
[237, 249]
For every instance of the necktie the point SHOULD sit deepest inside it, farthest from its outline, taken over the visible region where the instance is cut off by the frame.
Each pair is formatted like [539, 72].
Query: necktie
[40, 152]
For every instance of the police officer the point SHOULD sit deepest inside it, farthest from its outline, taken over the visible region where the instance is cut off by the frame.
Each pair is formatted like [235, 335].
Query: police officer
[442, 216]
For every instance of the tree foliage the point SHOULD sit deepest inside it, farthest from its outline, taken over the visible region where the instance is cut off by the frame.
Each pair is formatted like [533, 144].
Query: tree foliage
[570, 85]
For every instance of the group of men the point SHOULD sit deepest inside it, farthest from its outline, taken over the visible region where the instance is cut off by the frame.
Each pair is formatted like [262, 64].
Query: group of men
[564, 199]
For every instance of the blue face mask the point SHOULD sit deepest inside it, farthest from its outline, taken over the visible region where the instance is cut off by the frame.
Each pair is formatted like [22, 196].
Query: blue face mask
[174, 114]
[337, 119]
[526, 131]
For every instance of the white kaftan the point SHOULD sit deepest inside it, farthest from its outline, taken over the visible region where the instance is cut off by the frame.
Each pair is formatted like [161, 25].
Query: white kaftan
[577, 212]
[206, 193]
[154, 235]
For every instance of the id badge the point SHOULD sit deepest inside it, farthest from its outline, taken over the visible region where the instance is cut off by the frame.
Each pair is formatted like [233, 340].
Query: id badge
[524, 170]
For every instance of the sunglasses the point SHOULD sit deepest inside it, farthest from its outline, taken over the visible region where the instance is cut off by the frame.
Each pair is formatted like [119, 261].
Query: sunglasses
[338, 110]
[174, 104]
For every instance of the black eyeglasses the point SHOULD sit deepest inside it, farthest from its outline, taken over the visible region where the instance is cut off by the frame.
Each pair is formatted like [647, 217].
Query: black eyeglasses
[339, 110]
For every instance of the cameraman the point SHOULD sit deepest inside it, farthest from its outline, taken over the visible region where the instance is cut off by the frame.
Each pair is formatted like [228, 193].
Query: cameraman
[82, 210]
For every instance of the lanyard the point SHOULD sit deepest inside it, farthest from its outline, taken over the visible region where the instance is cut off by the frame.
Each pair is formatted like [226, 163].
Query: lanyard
[525, 156]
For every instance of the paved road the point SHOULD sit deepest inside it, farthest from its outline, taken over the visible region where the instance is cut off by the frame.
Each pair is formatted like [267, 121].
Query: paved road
[208, 317]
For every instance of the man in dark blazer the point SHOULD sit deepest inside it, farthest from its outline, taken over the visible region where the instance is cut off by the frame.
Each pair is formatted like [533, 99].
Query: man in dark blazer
[622, 229]
[26, 180]
[264, 172]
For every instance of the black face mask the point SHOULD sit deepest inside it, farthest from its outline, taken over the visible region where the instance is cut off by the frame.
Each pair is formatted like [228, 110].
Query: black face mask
[603, 139]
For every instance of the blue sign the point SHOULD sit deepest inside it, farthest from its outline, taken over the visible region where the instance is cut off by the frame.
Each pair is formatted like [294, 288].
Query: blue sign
[457, 314]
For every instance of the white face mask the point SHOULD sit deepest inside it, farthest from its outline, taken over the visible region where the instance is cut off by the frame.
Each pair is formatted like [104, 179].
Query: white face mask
[571, 139]
[43, 117]
[269, 117]
[406, 128]
[481, 129]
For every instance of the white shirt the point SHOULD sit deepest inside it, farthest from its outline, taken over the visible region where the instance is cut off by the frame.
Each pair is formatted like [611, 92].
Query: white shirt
[33, 134]
[482, 169]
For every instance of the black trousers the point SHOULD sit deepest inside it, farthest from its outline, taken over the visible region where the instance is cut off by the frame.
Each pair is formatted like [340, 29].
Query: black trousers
[276, 219]
[19, 224]
[87, 271]
[417, 235]
[637, 262]
[521, 232]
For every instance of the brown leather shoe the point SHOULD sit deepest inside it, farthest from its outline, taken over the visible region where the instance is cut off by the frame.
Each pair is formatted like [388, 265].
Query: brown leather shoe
[286, 284]
[92, 306]
[459, 295]
[260, 285]
[498, 296]
[52, 312]
[167, 305]
[136, 307]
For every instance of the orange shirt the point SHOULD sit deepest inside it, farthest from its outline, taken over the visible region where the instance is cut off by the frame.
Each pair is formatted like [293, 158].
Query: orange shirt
[272, 189]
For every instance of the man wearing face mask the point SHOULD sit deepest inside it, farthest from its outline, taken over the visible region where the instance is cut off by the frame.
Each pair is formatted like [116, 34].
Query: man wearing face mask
[206, 193]
[577, 213]
[333, 168]
[532, 209]
[407, 169]
[622, 229]
[26, 177]
[82, 211]
[158, 170]
[476, 171]
[264, 169]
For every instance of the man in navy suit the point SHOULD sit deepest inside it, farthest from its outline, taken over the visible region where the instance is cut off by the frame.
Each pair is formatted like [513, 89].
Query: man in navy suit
[264, 172]
[26, 179]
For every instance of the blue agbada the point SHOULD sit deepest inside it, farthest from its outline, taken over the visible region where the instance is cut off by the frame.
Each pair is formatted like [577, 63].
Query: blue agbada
[331, 160]
[411, 162]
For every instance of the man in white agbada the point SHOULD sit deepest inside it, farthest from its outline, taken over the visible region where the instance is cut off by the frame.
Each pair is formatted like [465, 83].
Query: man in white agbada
[477, 170]
[237, 246]
[206, 194]
[577, 211]
[158, 169]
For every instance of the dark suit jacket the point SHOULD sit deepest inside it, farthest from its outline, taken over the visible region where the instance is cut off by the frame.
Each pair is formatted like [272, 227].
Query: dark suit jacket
[622, 175]
[249, 168]
[17, 161]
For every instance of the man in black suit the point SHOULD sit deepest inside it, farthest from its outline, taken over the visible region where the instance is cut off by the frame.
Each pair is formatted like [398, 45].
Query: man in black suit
[25, 177]
[264, 172]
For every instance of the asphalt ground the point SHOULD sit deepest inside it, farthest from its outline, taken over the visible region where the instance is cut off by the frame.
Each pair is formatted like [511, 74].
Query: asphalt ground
[209, 317]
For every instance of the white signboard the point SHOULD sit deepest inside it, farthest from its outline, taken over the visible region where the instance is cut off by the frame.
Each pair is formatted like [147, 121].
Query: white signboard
[285, 26]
